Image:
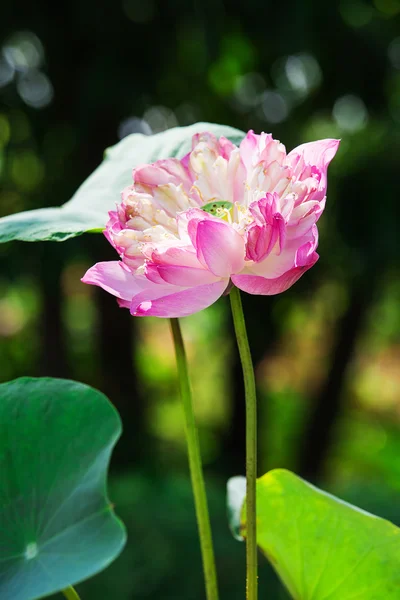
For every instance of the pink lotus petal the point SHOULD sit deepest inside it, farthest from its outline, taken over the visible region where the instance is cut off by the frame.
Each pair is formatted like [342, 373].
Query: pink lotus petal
[162, 172]
[276, 264]
[205, 136]
[260, 241]
[220, 248]
[183, 256]
[252, 284]
[113, 226]
[221, 146]
[181, 276]
[270, 214]
[317, 154]
[302, 228]
[217, 171]
[191, 219]
[179, 304]
[261, 150]
[115, 278]
[305, 253]
[124, 303]
[226, 147]
[151, 273]
[250, 148]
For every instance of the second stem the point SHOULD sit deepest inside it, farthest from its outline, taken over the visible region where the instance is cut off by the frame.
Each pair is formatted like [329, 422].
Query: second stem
[251, 441]
[196, 471]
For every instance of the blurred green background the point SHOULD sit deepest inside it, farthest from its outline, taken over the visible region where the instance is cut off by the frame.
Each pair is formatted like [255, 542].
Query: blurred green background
[74, 78]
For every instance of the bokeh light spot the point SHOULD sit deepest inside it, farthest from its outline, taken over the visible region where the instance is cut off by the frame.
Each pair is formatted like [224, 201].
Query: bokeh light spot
[6, 72]
[350, 113]
[224, 75]
[240, 47]
[389, 8]
[237, 57]
[23, 51]
[27, 170]
[187, 113]
[303, 72]
[297, 75]
[274, 107]
[133, 125]
[249, 89]
[35, 89]
[160, 118]
[356, 13]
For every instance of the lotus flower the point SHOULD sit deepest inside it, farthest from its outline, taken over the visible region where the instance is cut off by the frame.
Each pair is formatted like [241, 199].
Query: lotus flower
[188, 229]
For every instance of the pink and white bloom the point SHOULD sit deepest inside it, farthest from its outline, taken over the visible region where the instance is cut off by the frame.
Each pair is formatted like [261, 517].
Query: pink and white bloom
[223, 214]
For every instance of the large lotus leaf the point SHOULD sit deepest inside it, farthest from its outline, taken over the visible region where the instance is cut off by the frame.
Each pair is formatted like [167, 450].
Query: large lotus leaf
[87, 210]
[57, 526]
[321, 547]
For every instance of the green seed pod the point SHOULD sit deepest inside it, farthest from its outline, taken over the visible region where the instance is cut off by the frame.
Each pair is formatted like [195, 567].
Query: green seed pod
[216, 208]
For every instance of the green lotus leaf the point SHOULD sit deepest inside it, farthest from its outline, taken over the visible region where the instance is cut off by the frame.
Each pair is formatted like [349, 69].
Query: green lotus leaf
[321, 547]
[57, 526]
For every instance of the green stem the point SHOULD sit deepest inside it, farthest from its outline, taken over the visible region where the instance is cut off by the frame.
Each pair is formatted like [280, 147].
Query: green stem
[70, 593]
[251, 441]
[196, 473]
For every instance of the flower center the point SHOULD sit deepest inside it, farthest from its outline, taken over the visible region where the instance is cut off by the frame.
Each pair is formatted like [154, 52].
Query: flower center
[235, 214]
[220, 208]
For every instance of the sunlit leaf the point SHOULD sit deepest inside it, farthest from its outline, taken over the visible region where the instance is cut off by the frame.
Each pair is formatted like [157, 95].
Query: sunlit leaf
[322, 547]
[87, 210]
[57, 526]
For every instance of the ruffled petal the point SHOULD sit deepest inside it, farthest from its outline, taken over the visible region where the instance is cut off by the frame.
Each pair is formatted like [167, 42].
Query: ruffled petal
[182, 256]
[260, 240]
[294, 254]
[220, 247]
[269, 226]
[221, 146]
[180, 275]
[275, 265]
[115, 278]
[179, 303]
[317, 154]
[162, 172]
[218, 173]
[256, 149]
[253, 284]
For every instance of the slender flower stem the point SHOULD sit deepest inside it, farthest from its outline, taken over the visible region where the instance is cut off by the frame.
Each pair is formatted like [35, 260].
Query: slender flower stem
[196, 473]
[251, 441]
[70, 593]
